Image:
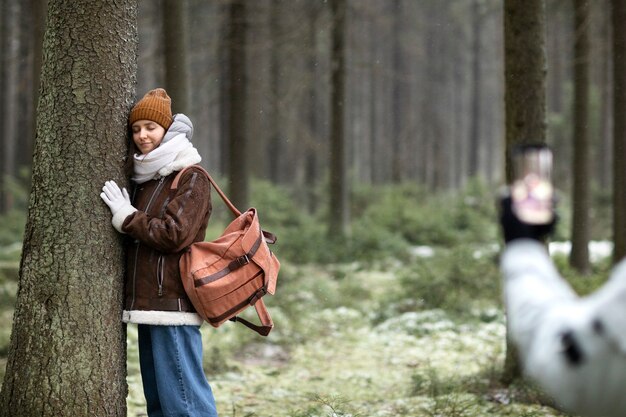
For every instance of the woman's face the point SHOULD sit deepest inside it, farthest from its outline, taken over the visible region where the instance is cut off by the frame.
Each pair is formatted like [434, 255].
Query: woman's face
[147, 135]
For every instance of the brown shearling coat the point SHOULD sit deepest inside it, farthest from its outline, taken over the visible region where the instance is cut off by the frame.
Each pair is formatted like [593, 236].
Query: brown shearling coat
[164, 224]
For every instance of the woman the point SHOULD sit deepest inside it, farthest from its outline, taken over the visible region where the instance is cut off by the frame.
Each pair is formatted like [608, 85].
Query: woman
[161, 224]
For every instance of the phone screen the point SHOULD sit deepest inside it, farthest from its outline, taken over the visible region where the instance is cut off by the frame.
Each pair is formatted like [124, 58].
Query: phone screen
[532, 193]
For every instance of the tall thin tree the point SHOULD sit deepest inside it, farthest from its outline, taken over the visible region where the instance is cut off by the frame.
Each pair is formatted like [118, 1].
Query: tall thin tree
[339, 208]
[39, 10]
[525, 96]
[10, 95]
[619, 128]
[175, 32]
[238, 167]
[67, 350]
[274, 145]
[399, 100]
[579, 255]
[477, 87]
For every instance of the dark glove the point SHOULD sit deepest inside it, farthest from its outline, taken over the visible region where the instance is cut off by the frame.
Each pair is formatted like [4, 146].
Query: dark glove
[513, 228]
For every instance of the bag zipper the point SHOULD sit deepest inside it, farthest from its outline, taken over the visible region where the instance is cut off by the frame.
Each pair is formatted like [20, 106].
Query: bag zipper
[160, 268]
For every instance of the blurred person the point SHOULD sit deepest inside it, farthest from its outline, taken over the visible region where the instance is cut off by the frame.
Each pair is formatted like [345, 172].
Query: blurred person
[573, 347]
[160, 224]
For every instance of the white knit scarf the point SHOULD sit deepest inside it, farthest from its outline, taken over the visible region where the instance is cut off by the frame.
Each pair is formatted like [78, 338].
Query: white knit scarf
[173, 154]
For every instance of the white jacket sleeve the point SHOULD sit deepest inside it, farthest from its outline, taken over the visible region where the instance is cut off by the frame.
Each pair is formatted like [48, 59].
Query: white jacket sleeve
[574, 348]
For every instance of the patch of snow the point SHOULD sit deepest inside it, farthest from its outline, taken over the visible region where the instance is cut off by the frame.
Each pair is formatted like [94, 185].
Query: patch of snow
[422, 251]
[598, 250]
[486, 251]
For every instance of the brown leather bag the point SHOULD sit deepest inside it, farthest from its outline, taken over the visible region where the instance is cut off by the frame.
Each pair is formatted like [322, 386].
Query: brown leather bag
[224, 277]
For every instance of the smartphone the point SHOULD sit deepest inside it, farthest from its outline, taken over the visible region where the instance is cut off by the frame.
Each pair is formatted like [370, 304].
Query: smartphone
[532, 193]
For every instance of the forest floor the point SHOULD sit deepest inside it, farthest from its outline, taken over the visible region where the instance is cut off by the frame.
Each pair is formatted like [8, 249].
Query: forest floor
[360, 340]
[340, 362]
[377, 327]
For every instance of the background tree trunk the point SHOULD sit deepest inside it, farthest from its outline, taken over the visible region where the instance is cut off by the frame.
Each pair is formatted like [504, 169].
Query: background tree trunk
[525, 89]
[67, 351]
[175, 32]
[525, 74]
[3, 36]
[39, 9]
[339, 208]
[276, 126]
[399, 96]
[11, 48]
[604, 161]
[477, 87]
[581, 199]
[619, 129]
[238, 166]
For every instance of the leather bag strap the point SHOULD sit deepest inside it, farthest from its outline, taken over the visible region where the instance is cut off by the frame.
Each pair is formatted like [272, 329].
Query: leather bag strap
[266, 321]
[270, 238]
[228, 203]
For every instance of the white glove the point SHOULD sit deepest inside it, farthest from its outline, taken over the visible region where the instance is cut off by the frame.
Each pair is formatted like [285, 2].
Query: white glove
[119, 203]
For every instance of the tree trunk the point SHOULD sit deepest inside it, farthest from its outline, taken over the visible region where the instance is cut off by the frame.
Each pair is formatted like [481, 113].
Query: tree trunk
[525, 104]
[276, 128]
[605, 154]
[619, 129]
[175, 32]
[3, 35]
[525, 74]
[238, 166]
[339, 208]
[477, 88]
[399, 96]
[579, 255]
[39, 10]
[313, 116]
[67, 350]
[12, 60]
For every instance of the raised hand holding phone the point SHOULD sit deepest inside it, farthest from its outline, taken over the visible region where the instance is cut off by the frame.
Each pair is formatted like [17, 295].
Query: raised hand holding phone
[532, 193]
[527, 209]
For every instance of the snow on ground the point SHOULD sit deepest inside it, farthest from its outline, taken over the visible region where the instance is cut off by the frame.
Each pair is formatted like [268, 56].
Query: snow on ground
[597, 249]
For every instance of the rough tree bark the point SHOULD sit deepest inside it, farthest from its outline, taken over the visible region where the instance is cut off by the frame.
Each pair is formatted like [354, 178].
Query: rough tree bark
[67, 350]
[525, 97]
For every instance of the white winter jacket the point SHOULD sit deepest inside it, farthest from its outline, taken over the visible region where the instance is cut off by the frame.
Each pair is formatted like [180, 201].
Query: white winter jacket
[573, 347]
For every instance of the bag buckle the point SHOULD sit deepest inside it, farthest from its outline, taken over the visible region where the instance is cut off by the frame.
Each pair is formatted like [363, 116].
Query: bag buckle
[257, 295]
[243, 260]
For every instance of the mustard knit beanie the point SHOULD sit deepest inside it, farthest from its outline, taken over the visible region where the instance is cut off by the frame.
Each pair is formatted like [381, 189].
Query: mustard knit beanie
[156, 105]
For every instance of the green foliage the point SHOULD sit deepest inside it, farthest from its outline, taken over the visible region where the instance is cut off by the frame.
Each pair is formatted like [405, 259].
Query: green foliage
[584, 284]
[386, 221]
[18, 188]
[327, 406]
[457, 280]
[423, 218]
[12, 222]
[12, 230]
[369, 325]
[601, 215]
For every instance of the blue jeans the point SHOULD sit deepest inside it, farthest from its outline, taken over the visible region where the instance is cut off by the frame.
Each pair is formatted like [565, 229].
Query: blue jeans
[174, 383]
